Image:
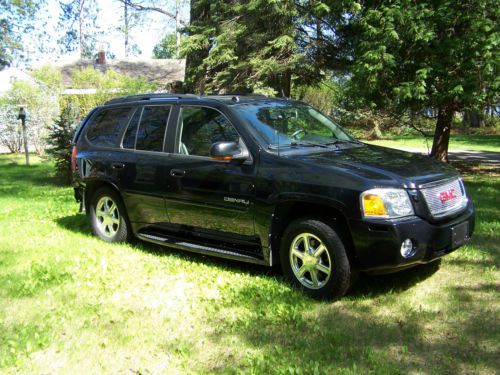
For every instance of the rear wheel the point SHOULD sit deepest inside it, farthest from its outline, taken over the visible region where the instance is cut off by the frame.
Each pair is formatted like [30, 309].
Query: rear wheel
[108, 217]
[313, 258]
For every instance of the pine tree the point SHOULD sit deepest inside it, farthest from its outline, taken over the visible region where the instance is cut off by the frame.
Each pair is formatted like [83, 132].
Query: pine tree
[241, 45]
[59, 141]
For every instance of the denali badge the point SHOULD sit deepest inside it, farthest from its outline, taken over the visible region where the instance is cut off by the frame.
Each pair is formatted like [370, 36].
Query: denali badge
[235, 200]
[447, 195]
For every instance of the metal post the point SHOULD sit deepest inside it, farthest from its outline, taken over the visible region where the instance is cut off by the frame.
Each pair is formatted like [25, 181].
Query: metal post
[22, 117]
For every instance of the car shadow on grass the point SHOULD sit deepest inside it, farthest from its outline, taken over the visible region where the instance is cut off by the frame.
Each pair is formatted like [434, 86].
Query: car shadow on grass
[374, 285]
[366, 285]
[79, 223]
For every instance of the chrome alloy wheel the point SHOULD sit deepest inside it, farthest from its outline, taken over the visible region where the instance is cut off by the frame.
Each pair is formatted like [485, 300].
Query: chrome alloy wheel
[108, 216]
[310, 261]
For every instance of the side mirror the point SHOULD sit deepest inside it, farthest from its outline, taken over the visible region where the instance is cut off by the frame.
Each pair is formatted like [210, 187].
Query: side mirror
[228, 151]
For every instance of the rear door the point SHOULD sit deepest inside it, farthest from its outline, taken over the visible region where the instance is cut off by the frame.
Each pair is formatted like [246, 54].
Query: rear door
[143, 169]
[202, 193]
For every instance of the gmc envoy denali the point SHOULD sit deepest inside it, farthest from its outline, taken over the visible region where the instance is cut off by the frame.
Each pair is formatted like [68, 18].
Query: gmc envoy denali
[267, 181]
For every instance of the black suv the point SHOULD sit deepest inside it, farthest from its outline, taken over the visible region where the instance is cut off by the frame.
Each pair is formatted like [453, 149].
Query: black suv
[266, 181]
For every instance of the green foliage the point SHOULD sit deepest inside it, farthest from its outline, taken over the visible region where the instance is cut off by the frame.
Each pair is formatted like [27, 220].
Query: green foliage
[42, 107]
[108, 85]
[59, 141]
[427, 54]
[15, 19]
[49, 76]
[236, 50]
[166, 48]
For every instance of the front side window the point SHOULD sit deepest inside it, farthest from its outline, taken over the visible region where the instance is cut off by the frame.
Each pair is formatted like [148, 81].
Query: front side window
[107, 125]
[151, 132]
[200, 128]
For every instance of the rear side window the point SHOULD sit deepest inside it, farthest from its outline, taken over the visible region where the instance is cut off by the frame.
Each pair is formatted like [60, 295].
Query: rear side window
[151, 132]
[129, 137]
[107, 125]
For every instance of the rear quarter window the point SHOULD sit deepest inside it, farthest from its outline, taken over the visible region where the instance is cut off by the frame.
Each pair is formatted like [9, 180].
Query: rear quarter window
[107, 125]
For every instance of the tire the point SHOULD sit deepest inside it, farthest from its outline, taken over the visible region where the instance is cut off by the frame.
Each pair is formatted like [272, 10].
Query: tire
[322, 272]
[108, 216]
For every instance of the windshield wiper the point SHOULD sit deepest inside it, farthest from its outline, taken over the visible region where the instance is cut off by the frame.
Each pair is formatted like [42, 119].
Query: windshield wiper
[310, 144]
[275, 146]
[337, 141]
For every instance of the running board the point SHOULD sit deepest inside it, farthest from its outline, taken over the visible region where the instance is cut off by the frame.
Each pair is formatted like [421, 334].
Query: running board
[182, 244]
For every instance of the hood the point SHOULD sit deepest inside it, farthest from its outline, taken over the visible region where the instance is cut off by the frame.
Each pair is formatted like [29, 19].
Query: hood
[381, 164]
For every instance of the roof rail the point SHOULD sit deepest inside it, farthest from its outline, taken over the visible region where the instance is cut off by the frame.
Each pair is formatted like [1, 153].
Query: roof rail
[237, 94]
[136, 98]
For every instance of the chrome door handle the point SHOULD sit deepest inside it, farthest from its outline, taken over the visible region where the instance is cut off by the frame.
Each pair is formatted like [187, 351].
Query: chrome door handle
[117, 165]
[177, 173]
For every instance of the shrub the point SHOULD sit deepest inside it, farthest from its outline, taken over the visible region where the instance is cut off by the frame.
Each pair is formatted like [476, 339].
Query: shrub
[60, 142]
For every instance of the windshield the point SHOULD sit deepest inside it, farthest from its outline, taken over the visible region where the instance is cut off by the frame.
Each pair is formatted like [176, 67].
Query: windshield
[291, 123]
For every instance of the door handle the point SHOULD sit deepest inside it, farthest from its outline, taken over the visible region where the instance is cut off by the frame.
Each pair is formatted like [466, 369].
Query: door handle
[117, 165]
[177, 173]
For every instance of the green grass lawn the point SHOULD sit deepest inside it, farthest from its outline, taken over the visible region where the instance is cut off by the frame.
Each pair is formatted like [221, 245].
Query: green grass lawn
[457, 142]
[70, 303]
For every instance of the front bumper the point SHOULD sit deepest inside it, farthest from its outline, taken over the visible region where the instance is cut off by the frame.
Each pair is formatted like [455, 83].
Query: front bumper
[377, 243]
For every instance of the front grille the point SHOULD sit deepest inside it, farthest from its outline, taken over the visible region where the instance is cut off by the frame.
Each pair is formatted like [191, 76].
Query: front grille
[444, 198]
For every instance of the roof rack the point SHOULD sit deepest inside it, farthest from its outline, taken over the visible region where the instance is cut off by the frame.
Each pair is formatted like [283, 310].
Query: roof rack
[136, 98]
[236, 94]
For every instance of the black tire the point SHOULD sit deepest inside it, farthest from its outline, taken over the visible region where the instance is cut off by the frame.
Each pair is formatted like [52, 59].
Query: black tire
[109, 226]
[315, 281]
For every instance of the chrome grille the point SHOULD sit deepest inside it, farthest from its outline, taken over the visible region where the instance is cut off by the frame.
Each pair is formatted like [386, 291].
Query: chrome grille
[444, 198]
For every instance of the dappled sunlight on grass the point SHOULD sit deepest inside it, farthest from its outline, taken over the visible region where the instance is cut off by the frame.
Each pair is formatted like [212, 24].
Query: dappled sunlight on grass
[70, 303]
[457, 142]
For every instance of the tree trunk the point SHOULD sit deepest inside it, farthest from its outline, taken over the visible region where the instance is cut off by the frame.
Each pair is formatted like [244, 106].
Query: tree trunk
[442, 133]
[286, 84]
[177, 29]
[195, 71]
[126, 27]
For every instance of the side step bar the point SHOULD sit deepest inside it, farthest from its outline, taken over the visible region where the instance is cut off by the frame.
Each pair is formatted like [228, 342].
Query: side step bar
[182, 244]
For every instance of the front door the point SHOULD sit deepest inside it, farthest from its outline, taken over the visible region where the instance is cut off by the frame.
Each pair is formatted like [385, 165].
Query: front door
[216, 196]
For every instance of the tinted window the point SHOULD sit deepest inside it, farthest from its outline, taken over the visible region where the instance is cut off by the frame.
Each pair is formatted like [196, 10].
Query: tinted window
[152, 128]
[200, 128]
[129, 137]
[107, 126]
[286, 123]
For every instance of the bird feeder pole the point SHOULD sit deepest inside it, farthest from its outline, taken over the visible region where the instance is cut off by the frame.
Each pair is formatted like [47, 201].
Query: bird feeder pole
[22, 117]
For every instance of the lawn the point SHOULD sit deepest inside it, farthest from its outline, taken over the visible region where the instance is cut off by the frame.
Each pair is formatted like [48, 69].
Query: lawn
[70, 303]
[457, 142]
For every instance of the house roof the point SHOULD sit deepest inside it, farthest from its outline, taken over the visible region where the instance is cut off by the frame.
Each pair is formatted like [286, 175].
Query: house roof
[162, 71]
[8, 75]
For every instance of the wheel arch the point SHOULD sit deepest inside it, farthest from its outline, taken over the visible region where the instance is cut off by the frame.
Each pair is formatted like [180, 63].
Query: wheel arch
[329, 212]
[92, 186]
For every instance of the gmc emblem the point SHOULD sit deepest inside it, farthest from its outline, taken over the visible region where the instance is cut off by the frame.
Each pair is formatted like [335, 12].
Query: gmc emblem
[447, 195]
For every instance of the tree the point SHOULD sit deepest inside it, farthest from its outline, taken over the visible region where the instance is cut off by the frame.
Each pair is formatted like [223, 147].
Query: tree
[79, 22]
[243, 45]
[15, 19]
[59, 141]
[131, 19]
[42, 107]
[161, 7]
[167, 48]
[427, 54]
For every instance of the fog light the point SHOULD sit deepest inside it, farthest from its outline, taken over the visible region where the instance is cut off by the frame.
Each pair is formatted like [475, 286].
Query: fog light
[407, 248]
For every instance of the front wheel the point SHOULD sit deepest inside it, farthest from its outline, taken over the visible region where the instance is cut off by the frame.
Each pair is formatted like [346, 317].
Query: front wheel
[313, 258]
[108, 217]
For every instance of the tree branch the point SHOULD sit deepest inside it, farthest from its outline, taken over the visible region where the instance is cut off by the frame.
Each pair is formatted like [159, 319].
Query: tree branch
[144, 8]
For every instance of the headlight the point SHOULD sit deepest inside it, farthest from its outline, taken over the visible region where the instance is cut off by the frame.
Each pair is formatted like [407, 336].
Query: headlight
[386, 203]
